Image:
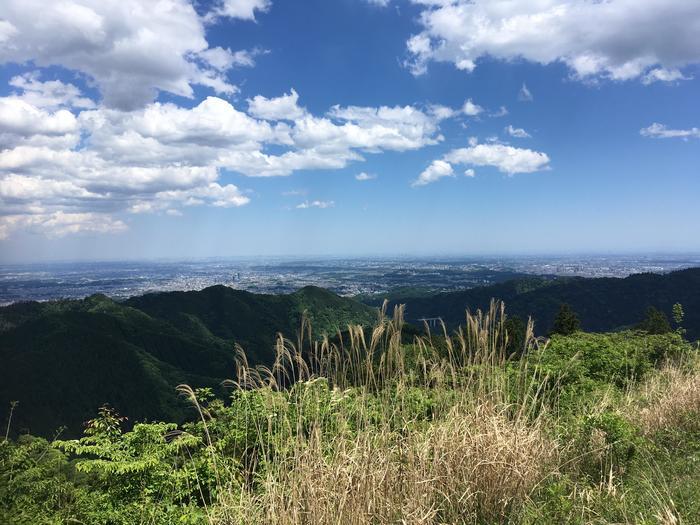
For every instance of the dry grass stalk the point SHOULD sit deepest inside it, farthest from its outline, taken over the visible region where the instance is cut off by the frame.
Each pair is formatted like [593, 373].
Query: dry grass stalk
[473, 466]
[672, 399]
[479, 456]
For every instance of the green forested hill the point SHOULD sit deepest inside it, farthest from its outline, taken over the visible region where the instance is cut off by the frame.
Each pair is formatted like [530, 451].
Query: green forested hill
[252, 320]
[63, 359]
[602, 304]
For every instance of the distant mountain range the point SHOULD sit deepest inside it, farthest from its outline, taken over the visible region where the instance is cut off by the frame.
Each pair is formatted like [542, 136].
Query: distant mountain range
[602, 304]
[63, 359]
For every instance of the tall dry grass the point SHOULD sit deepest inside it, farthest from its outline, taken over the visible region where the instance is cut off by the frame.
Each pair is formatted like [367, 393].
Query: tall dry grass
[669, 399]
[473, 466]
[475, 458]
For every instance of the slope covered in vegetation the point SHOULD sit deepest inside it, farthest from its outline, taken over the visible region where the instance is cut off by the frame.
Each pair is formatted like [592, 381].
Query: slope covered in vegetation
[584, 428]
[61, 359]
[602, 304]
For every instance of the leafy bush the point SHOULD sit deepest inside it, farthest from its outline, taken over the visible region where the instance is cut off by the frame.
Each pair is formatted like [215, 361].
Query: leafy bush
[607, 443]
[580, 364]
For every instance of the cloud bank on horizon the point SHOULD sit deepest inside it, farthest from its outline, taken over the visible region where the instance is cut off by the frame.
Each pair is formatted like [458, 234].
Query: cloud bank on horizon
[115, 109]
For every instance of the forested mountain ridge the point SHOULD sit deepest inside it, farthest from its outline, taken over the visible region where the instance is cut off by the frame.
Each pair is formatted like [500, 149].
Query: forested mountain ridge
[602, 304]
[253, 320]
[63, 359]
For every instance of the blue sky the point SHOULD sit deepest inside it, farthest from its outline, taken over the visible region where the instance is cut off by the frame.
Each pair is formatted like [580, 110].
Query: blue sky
[241, 127]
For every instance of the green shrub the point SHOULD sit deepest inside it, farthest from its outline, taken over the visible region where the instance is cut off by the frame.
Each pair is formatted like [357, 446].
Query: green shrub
[580, 364]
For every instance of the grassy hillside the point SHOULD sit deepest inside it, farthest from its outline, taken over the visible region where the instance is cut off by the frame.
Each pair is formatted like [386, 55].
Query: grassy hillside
[602, 304]
[586, 428]
[62, 359]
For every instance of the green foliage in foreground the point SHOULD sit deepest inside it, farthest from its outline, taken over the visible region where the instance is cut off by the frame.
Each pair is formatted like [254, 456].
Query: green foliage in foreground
[162, 473]
[582, 364]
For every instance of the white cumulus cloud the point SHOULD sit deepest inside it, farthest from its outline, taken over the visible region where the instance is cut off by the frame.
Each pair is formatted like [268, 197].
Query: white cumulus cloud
[436, 171]
[242, 9]
[661, 131]
[615, 39]
[519, 133]
[50, 94]
[22, 124]
[506, 159]
[131, 49]
[284, 107]
[163, 157]
[471, 109]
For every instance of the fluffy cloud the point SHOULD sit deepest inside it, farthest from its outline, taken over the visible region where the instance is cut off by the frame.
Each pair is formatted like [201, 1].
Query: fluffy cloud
[243, 9]
[331, 141]
[152, 160]
[315, 204]
[616, 39]
[21, 118]
[101, 162]
[284, 107]
[225, 59]
[22, 124]
[470, 109]
[660, 74]
[213, 123]
[506, 159]
[51, 94]
[398, 128]
[661, 131]
[519, 133]
[436, 171]
[365, 176]
[212, 194]
[130, 48]
[16, 187]
[59, 224]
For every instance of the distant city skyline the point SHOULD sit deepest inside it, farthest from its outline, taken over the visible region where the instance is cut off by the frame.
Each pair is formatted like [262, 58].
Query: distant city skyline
[274, 275]
[180, 129]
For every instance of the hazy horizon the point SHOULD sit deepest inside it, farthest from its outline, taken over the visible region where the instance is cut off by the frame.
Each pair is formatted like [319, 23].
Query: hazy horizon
[436, 257]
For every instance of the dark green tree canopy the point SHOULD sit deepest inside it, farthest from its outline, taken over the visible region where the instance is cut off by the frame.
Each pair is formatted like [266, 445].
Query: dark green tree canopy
[655, 322]
[566, 322]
